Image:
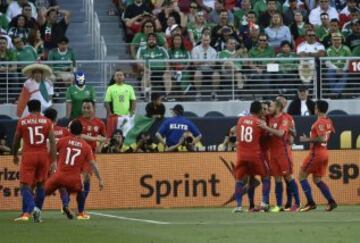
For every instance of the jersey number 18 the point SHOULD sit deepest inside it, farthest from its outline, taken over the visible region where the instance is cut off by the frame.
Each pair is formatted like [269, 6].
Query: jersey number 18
[246, 134]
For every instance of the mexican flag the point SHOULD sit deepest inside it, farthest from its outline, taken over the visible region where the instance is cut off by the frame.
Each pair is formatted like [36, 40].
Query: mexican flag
[131, 126]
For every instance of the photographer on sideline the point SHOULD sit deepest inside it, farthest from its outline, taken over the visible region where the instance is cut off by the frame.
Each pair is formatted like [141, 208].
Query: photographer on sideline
[172, 129]
[116, 144]
[145, 144]
[186, 144]
[229, 143]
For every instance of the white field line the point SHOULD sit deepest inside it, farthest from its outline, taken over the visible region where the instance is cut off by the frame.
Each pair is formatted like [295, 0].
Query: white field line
[127, 218]
[244, 222]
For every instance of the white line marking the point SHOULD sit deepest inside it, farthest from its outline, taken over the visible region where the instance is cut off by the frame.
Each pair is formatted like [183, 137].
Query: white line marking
[127, 218]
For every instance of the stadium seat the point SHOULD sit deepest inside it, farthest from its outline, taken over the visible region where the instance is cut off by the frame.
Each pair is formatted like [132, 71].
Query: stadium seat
[337, 113]
[214, 114]
[190, 114]
[5, 117]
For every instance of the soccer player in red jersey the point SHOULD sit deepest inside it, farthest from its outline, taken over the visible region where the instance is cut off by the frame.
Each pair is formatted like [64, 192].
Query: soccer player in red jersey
[94, 131]
[75, 158]
[250, 158]
[280, 156]
[34, 129]
[317, 160]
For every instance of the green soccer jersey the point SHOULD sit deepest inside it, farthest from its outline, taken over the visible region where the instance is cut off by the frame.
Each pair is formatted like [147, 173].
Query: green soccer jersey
[140, 39]
[342, 51]
[26, 54]
[185, 75]
[56, 55]
[120, 96]
[356, 52]
[239, 18]
[191, 27]
[321, 32]
[179, 54]
[287, 66]
[76, 95]
[156, 53]
[8, 55]
[226, 54]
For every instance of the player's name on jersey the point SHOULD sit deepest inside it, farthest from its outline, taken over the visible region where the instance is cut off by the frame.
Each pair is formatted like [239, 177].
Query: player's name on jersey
[248, 121]
[75, 143]
[33, 121]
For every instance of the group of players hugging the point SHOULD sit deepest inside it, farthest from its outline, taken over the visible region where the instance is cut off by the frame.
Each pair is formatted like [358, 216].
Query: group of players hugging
[264, 139]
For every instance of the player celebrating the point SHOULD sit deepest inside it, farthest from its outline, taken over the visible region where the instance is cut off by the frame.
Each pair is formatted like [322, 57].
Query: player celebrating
[75, 155]
[317, 160]
[280, 156]
[93, 131]
[34, 129]
[251, 161]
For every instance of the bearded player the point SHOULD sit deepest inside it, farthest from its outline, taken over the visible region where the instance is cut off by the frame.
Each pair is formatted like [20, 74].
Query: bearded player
[75, 158]
[250, 158]
[34, 129]
[281, 165]
[317, 161]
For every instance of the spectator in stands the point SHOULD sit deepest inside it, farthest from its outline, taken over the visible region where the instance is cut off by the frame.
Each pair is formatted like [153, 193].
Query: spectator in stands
[260, 7]
[322, 30]
[324, 7]
[252, 40]
[240, 15]
[145, 144]
[193, 10]
[76, 94]
[20, 29]
[206, 5]
[302, 38]
[233, 66]
[140, 39]
[177, 30]
[31, 22]
[262, 50]
[345, 13]
[289, 13]
[264, 18]
[133, 11]
[120, 99]
[4, 148]
[302, 105]
[229, 143]
[250, 21]
[37, 86]
[154, 72]
[356, 52]
[353, 40]
[214, 15]
[277, 32]
[297, 27]
[36, 43]
[334, 28]
[155, 108]
[179, 71]
[4, 23]
[171, 11]
[63, 71]
[347, 27]
[310, 47]
[115, 145]
[287, 67]
[195, 28]
[205, 70]
[6, 55]
[16, 6]
[337, 68]
[51, 28]
[173, 130]
[24, 52]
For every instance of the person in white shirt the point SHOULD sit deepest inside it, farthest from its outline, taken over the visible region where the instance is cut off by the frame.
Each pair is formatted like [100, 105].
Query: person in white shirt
[310, 47]
[302, 105]
[314, 17]
[15, 8]
[205, 70]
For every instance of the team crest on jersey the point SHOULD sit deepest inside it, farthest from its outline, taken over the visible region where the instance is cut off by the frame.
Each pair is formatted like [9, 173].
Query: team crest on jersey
[89, 128]
[96, 128]
[321, 127]
[275, 125]
[284, 123]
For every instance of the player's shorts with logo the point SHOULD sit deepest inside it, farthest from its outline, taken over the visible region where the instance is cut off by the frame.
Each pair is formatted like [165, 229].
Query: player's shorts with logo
[251, 164]
[316, 163]
[70, 181]
[281, 164]
[34, 167]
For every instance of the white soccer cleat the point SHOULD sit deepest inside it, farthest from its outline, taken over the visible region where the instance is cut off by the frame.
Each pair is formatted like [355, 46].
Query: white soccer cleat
[37, 215]
[238, 210]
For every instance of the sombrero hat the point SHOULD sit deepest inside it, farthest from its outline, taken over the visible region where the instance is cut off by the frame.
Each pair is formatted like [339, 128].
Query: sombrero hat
[27, 71]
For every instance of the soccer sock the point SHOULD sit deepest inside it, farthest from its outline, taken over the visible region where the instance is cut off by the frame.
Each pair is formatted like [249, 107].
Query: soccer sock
[294, 189]
[251, 195]
[288, 194]
[80, 198]
[325, 191]
[86, 188]
[39, 197]
[27, 200]
[307, 190]
[266, 190]
[278, 193]
[239, 193]
[64, 196]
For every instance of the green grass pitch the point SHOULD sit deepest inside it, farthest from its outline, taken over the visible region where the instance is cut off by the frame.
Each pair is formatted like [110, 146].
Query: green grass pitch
[187, 226]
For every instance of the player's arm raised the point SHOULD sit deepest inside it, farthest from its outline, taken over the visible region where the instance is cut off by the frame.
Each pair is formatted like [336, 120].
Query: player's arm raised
[97, 173]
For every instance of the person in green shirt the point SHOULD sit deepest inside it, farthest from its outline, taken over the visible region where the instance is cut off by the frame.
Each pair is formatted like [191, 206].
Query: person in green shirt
[7, 71]
[287, 67]
[120, 98]
[139, 40]
[4, 22]
[24, 52]
[195, 28]
[322, 30]
[240, 14]
[337, 75]
[76, 94]
[356, 52]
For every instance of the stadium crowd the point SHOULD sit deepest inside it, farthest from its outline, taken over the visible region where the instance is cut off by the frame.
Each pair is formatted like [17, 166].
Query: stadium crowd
[210, 29]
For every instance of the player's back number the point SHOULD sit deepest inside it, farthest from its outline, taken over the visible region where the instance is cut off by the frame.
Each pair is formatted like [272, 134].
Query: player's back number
[35, 135]
[246, 134]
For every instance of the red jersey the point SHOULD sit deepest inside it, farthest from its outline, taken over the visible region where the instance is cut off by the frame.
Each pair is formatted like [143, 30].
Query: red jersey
[279, 144]
[34, 129]
[290, 119]
[322, 127]
[93, 127]
[248, 134]
[60, 132]
[74, 155]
